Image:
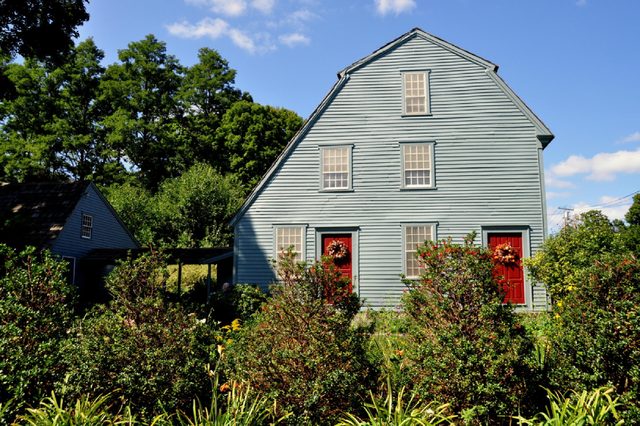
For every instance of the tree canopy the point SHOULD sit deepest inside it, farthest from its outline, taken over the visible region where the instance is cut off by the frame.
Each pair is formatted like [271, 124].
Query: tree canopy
[40, 29]
[152, 131]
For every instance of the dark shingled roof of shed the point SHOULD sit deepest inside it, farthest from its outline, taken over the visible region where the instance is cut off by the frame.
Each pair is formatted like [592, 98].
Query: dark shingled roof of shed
[33, 214]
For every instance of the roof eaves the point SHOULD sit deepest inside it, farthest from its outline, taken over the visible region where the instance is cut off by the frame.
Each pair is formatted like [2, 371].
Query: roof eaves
[543, 133]
[287, 150]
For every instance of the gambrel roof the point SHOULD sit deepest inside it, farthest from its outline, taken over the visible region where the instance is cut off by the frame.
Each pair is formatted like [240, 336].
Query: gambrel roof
[543, 133]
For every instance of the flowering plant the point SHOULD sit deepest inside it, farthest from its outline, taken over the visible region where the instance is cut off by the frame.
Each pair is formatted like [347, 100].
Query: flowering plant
[505, 254]
[337, 250]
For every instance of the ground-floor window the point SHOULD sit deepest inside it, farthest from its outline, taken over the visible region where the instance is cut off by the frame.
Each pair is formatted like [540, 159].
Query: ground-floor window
[415, 235]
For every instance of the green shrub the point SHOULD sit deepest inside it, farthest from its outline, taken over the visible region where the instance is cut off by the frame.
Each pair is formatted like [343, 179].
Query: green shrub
[237, 301]
[301, 350]
[595, 327]
[465, 346]
[36, 311]
[142, 348]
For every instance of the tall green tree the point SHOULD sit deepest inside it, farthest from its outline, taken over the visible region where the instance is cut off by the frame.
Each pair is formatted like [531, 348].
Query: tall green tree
[40, 29]
[142, 91]
[630, 233]
[30, 150]
[207, 92]
[77, 125]
[254, 135]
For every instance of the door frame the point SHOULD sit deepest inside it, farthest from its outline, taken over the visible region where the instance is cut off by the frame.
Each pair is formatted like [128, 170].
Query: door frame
[524, 230]
[355, 250]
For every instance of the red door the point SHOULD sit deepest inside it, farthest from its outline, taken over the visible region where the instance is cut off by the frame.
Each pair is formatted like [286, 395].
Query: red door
[344, 264]
[512, 274]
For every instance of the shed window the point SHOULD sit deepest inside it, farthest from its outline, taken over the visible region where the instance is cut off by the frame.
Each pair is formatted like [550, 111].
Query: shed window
[417, 160]
[336, 168]
[414, 236]
[416, 93]
[87, 226]
[290, 237]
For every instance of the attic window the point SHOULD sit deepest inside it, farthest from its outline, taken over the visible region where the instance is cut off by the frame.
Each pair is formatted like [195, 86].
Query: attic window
[416, 92]
[87, 226]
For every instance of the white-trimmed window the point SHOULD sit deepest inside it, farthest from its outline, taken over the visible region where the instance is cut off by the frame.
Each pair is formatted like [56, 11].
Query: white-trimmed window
[290, 237]
[87, 226]
[336, 168]
[414, 236]
[416, 92]
[417, 165]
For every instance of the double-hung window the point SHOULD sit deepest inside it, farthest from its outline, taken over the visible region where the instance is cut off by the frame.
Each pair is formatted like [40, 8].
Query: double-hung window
[417, 165]
[290, 237]
[416, 92]
[86, 229]
[415, 235]
[335, 168]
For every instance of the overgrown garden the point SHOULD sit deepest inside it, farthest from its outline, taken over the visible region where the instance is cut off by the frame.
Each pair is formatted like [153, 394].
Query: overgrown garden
[307, 354]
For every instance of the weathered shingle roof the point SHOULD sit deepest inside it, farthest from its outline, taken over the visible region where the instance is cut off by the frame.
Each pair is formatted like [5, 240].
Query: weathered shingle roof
[35, 213]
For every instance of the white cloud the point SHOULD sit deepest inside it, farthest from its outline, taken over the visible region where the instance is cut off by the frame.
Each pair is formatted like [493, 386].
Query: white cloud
[228, 7]
[385, 7]
[294, 39]
[601, 167]
[264, 6]
[214, 29]
[551, 195]
[242, 40]
[208, 27]
[633, 137]
[581, 2]
[552, 181]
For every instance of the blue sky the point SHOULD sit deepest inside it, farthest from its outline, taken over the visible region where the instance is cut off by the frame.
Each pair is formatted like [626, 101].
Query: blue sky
[576, 63]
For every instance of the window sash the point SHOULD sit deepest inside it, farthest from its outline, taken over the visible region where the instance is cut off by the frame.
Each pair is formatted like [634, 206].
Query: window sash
[87, 226]
[336, 168]
[414, 236]
[416, 164]
[290, 236]
[415, 93]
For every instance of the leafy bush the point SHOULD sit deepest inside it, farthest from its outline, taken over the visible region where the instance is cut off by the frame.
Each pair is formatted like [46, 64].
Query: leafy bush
[564, 256]
[465, 346]
[598, 407]
[595, 325]
[36, 311]
[300, 349]
[142, 348]
[237, 301]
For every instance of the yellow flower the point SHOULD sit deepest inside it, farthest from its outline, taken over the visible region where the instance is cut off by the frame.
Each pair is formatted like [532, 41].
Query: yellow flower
[559, 304]
[220, 349]
[235, 324]
[571, 288]
[557, 316]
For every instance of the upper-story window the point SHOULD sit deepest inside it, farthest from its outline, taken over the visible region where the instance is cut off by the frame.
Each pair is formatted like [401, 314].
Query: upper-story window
[416, 92]
[336, 168]
[87, 226]
[417, 165]
[290, 237]
[414, 236]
